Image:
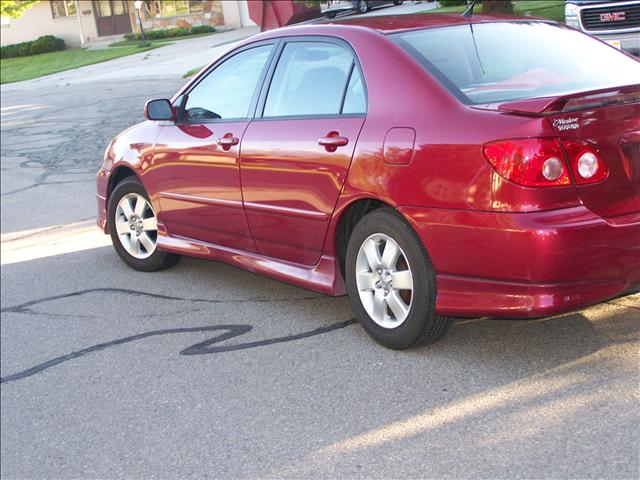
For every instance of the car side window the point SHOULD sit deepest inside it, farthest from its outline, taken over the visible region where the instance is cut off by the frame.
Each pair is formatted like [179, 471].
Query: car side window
[226, 92]
[355, 101]
[310, 79]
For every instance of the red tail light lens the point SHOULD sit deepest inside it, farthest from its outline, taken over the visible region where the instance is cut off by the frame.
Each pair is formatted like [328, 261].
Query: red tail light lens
[586, 163]
[530, 162]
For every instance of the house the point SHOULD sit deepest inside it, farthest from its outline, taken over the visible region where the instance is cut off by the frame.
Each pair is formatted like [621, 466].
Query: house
[81, 22]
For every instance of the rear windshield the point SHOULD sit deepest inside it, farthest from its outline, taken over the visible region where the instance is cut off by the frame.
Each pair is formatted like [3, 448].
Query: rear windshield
[503, 61]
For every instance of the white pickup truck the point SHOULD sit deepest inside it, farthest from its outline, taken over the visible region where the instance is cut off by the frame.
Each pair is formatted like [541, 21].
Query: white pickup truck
[616, 22]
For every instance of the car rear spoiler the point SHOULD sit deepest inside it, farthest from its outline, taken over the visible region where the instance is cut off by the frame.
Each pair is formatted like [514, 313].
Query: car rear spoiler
[543, 106]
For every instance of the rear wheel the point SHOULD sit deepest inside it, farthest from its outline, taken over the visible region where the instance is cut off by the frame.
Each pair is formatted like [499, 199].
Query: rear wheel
[331, 14]
[398, 2]
[391, 282]
[134, 230]
[363, 6]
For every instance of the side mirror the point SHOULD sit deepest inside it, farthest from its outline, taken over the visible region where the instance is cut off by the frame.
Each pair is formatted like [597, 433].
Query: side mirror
[158, 110]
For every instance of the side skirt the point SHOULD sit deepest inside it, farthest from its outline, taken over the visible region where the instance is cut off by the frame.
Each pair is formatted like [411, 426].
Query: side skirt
[324, 277]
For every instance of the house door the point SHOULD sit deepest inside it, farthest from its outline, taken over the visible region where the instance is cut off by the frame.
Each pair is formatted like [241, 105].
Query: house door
[112, 17]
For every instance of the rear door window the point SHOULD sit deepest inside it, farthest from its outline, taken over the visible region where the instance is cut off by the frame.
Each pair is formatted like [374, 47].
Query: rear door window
[315, 79]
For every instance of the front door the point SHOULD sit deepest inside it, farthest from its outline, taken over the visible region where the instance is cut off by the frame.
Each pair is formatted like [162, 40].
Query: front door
[296, 155]
[196, 161]
[112, 17]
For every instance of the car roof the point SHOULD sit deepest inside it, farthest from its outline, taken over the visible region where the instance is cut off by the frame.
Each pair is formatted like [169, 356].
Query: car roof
[386, 24]
[394, 23]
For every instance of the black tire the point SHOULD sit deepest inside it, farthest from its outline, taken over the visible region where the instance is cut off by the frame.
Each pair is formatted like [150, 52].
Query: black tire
[422, 325]
[363, 6]
[331, 14]
[398, 2]
[158, 260]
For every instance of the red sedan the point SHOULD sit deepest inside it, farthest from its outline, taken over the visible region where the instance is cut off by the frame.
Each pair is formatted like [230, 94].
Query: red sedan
[429, 166]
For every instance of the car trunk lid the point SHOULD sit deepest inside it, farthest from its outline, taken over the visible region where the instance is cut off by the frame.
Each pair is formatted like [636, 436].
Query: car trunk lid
[609, 120]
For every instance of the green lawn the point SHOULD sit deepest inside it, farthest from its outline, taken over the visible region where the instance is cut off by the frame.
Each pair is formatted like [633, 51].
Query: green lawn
[192, 72]
[24, 68]
[552, 9]
[158, 41]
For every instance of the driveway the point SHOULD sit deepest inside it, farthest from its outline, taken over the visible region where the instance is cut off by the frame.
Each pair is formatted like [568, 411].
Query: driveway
[206, 370]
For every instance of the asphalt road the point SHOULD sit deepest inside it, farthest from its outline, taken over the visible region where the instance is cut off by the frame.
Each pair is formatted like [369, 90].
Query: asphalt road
[205, 370]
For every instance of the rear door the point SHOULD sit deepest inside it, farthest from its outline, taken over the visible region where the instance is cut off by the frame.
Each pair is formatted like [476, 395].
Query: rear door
[614, 131]
[297, 151]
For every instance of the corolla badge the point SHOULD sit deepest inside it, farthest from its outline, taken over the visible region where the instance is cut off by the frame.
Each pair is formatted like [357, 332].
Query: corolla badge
[566, 124]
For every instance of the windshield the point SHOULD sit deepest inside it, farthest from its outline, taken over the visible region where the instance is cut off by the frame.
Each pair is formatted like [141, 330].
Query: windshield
[503, 61]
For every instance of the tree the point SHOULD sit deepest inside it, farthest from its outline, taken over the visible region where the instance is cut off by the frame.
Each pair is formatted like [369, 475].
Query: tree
[15, 8]
[497, 6]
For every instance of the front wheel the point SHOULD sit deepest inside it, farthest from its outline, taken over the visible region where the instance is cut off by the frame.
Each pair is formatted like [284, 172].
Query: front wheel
[134, 229]
[391, 282]
[398, 2]
[363, 6]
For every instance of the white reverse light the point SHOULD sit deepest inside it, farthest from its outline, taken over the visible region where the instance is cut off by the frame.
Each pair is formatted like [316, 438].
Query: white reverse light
[552, 168]
[587, 165]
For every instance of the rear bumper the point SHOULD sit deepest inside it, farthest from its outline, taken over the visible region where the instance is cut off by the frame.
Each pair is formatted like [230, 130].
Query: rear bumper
[527, 264]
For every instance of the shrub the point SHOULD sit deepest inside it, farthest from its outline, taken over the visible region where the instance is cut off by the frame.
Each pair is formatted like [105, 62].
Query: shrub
[170, 32]
[197, 30]
[47, 43]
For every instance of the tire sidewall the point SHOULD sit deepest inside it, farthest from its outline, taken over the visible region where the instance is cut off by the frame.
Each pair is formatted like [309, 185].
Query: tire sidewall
[423, 296]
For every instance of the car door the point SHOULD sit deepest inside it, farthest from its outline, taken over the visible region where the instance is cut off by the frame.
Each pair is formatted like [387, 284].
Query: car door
[297, 151]
[196, 160]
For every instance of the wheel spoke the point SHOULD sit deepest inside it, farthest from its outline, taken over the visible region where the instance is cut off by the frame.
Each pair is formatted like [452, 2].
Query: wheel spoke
[122, 228]
[397, 306]
[379, 305]
[133, 244]
[146, 241]
[390, 254]
[402, 280]
[141, 204]
[150, 224]
[366, 281]
[373, 255]
[127, 209]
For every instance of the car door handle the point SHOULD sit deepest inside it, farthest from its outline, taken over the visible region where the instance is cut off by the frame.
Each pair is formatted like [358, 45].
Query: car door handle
[332, 141]
[228, 141]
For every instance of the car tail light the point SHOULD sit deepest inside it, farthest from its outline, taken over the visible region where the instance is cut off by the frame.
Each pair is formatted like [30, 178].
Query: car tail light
[531, 162]
[586, 163]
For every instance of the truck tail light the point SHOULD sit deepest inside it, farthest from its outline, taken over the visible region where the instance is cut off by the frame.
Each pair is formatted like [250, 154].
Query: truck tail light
[530, 162]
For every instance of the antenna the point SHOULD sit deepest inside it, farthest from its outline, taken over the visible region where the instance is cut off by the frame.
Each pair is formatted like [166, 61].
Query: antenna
[468, 13]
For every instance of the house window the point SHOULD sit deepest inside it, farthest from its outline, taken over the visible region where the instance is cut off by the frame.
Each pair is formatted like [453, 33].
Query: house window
[172, 8]
[63, 8]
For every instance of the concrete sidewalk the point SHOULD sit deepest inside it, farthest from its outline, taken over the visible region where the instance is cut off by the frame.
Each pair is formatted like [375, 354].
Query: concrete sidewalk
[171, 61]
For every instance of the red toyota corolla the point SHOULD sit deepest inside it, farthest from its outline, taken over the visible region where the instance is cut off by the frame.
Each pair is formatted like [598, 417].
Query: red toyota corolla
[430, 166]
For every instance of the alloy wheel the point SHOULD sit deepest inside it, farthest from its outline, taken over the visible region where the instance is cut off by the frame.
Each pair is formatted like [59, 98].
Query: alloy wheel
[384, 280]
[136, 225]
